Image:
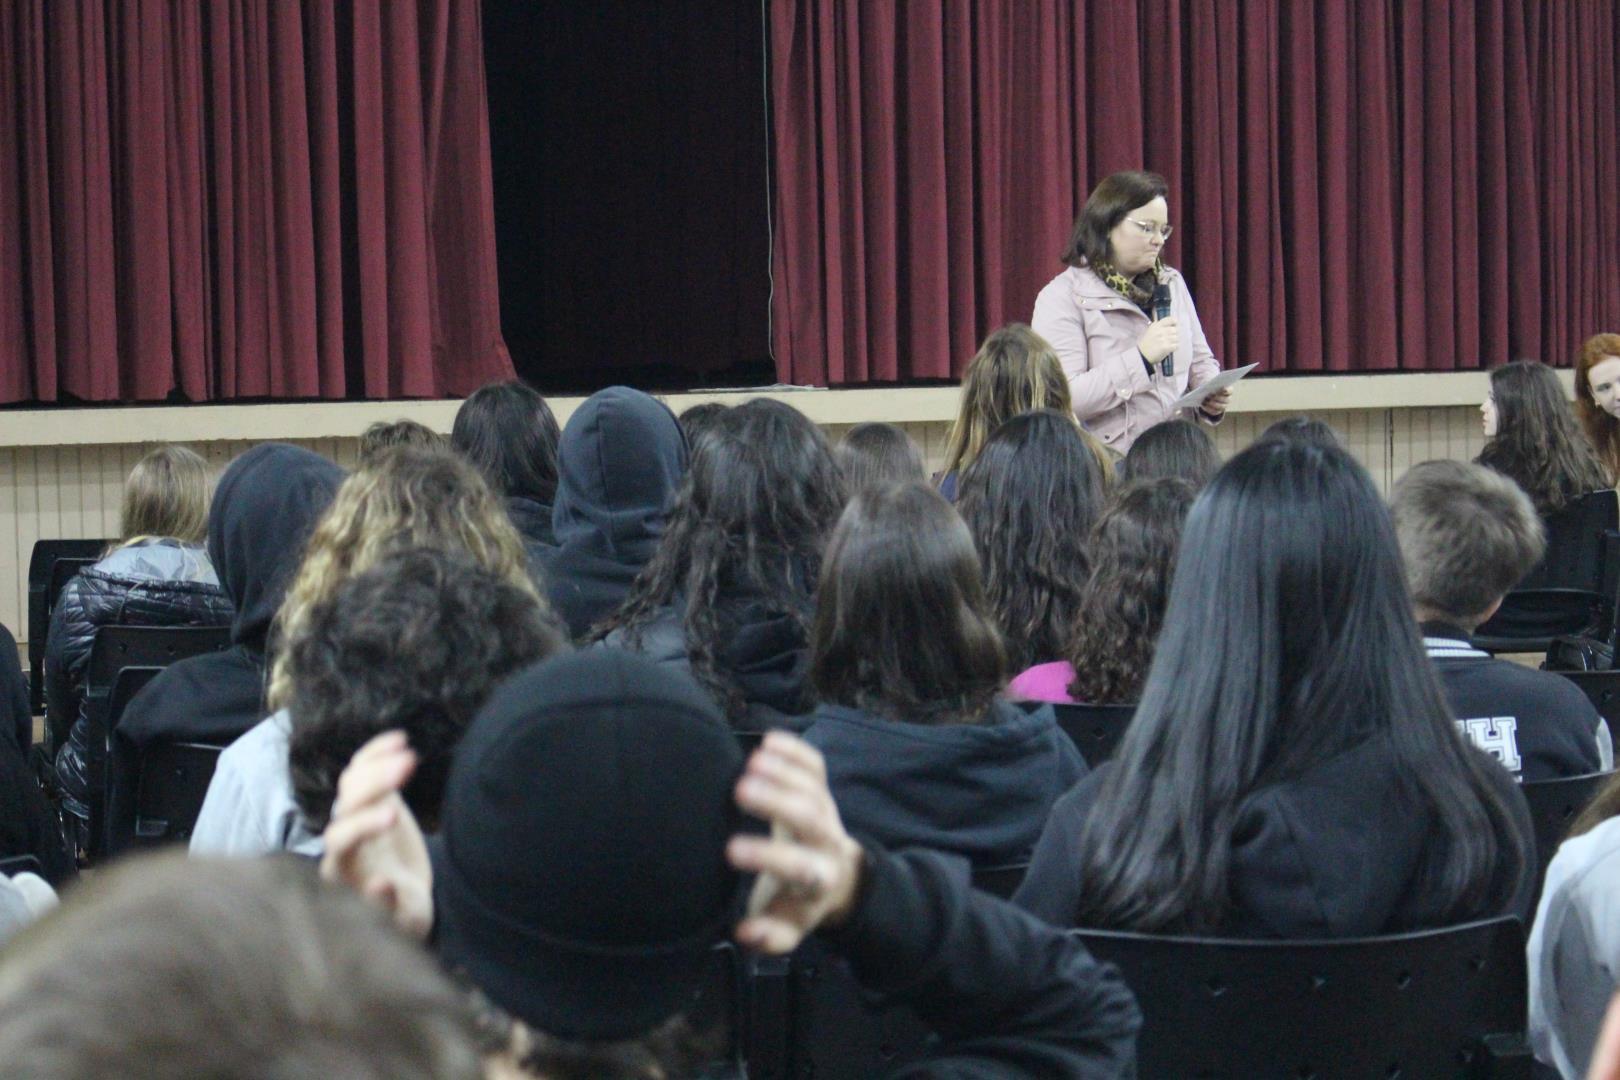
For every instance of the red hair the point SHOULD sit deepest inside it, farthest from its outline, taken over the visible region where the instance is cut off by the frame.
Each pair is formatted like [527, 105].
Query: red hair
[1601, 428]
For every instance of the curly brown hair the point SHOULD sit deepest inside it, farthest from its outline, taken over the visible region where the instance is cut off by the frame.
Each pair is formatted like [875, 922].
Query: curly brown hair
[1122, 607]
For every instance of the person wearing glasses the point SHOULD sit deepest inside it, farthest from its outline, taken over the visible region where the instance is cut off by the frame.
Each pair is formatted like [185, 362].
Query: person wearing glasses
[1126, 364]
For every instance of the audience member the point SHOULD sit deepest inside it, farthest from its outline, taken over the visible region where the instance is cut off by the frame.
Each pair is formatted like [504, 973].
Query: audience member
[508, 432]
[698, 419]
[16, 712]
[1304, 429]
[588, 912]
[158, 575]
[1468, 535]
[623, 455]
[921, 749]
[1533, 440]
[1030, 499]
[1177, 448]
[27, 824]
[729, 593]
[872, 455]
[1015, 372]
[1597, 398]
[167, 968]
[262, 512]
[1133, 554]
[384, 435]
[410, 499]
[1292, 770]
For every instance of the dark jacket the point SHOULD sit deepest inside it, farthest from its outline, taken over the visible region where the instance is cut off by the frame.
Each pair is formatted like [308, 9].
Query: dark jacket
[532, 519]
[982, 791]
[1539, 726]
[1336, 852]
[1008, 995]
[621, 458]
[263, 510]
[147, 583]
[27, 825]
[16, 714]
[764, 651]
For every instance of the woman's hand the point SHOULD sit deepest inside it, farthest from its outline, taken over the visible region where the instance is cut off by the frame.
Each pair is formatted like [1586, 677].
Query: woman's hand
[1215, 405]
[1160, 340]
[373, 844]
[809, 868]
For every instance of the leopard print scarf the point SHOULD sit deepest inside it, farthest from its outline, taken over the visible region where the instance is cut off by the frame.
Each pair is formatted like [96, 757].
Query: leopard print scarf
[1130, 288]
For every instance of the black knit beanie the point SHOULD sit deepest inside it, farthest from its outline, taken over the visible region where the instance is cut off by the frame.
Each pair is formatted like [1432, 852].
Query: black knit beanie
[580, 876]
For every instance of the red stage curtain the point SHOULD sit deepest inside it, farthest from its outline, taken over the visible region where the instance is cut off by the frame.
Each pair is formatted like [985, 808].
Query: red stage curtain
[248, 198]
[1376, 185]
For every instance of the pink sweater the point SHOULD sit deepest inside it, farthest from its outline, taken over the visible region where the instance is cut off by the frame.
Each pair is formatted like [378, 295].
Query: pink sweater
[1044, 682]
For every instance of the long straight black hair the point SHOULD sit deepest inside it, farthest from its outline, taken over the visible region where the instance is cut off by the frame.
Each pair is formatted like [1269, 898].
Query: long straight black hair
[1289, 639]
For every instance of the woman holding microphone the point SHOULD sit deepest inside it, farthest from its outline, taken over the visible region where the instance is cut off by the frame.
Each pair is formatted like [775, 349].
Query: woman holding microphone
[1121, 321]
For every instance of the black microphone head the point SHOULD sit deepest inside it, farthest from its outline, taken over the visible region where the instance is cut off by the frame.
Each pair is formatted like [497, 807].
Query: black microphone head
[1161, 301]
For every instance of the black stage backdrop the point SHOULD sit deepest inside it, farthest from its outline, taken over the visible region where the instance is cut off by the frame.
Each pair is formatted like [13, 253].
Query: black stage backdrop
[631, 214]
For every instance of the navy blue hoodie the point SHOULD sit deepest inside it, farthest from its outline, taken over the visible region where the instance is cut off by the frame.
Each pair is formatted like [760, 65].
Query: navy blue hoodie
[982, 791]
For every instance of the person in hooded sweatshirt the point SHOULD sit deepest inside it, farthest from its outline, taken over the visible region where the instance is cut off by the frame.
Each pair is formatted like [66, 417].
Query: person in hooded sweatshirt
[1292, 770]
[508, 432]
[729, 594]
[621, 458]
[908, 663]
[263, 509]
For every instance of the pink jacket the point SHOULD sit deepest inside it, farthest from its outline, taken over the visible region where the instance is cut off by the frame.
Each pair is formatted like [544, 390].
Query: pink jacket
[1095, 331]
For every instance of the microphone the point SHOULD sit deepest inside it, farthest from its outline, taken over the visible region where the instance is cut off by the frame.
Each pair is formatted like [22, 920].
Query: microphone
[1161, 310]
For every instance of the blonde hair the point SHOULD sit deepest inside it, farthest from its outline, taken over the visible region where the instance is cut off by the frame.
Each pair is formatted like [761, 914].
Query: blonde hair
[407, 497]
[1015, 371]
[166, 495]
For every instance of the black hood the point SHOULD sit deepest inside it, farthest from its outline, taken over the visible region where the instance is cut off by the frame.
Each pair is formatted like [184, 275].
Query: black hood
[623, 454]
[263, 510]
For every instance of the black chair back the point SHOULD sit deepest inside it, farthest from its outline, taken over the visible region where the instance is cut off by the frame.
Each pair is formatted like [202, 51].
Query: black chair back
[1447, 1002]
[1554, 806]
[835, 1033]
[1573, 587]
[1095, 729]
[21, 864]
[1602, 689]
[1000, 881]
[41, 599]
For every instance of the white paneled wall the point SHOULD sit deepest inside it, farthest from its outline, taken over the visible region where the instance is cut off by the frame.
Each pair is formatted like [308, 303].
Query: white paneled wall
[73, 491]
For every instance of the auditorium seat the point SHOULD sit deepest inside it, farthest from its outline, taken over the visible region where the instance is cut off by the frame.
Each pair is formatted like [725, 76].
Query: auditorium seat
[42, 598]
[1602, 689]
[1095, 729]
[1554, 806]
[1572, 589]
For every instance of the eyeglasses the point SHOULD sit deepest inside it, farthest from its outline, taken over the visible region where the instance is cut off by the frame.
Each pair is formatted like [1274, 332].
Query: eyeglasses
[1150, 229]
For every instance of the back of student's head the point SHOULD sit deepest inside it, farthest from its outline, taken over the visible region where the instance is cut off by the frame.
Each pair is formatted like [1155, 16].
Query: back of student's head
[166, 494]
[167, 967]
[415, 643]
[699, 419]
[1176, 448]
[875, 454]
[1133, 555]
[751, 519]
[408, 498]
[1288, 640]
[1538, 444]
[1467, 536]
[384, 435]
[902, 625]
[1015, 371]
[508, 432]
[1303, 429]
[1030, 499]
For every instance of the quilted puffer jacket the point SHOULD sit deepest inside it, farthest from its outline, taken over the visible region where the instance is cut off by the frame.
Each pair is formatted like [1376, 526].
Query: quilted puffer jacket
[158, 582]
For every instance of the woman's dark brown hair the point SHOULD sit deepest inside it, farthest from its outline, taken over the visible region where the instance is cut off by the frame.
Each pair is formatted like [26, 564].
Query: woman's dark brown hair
[902, 626]
[1537, 444]
[1601, 428]
[1030, 499]
[1110, 201]
[1133, 552]
[1178, 448]
[872, 455]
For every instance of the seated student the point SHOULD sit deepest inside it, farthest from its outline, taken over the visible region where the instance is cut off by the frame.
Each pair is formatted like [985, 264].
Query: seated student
[408, 500]
[1574, 951]
[27, 824]
[1030, 499]
[508, 432]
[622, 456]
[1292, 770]
[729, 593]
[1176, 448]
[1305, 429]
[697, 420]
[1015, 371]
[1468, 535]
[157, 575]
[872, 455]
[588, 911]
[16, 712]
[384, 435]
[1133, 553]
[1533, 439]
[921, 749]
[262, 512]
[173, 969]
